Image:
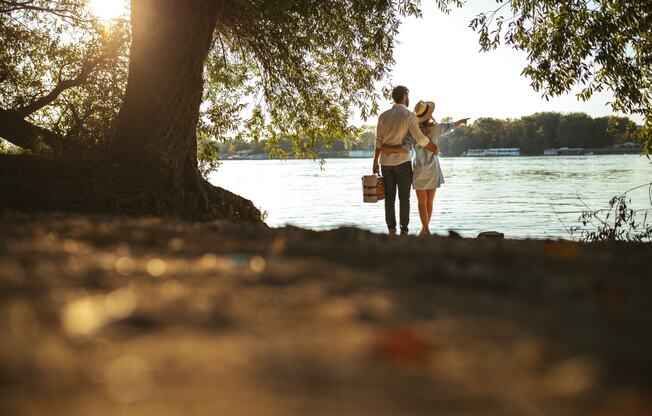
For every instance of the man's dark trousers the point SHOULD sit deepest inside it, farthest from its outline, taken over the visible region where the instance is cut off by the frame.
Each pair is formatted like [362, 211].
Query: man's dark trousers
[399, 176]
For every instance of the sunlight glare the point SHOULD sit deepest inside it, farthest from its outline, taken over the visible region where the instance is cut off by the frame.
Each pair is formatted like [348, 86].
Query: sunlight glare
[108, 9]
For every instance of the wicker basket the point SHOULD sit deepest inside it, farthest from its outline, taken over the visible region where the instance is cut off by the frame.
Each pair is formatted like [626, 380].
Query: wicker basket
[373, 188]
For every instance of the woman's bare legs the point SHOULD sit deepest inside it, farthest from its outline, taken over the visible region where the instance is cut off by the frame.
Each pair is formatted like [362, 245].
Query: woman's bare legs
[425, 198]
[422, 198]
[429, 201]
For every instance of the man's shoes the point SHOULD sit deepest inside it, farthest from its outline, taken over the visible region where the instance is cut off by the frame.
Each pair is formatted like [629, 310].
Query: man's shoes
[404, 232]
[392, 232]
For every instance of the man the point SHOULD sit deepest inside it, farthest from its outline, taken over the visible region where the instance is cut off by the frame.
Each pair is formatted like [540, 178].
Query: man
[393, 126]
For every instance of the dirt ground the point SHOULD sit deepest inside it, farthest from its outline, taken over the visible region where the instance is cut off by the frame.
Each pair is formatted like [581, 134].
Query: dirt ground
[122, 316]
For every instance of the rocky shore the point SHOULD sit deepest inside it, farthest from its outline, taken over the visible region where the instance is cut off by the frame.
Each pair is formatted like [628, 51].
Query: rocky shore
[103, 315]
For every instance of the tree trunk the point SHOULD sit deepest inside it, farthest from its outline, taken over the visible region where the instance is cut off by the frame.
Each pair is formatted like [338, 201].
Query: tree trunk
[155, 141]
[158, 118]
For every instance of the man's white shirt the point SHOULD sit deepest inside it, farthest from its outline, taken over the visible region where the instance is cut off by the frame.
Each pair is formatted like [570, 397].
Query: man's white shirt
[393, 125]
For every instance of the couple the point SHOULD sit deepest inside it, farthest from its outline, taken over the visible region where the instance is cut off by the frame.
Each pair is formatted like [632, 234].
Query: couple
[399, 129]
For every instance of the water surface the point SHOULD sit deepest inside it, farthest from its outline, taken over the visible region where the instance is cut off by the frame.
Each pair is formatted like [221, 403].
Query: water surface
[519, 196]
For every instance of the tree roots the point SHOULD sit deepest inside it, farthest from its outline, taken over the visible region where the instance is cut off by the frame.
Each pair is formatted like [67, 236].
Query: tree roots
[29, 183]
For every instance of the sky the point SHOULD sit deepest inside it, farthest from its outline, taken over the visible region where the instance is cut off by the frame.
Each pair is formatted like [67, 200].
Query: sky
[438, 59]
[108, 9]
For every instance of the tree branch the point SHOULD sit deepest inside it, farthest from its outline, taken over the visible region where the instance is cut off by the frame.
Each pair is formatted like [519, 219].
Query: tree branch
[80, 79]
[49, 98]
[9, 6]
[16, 130]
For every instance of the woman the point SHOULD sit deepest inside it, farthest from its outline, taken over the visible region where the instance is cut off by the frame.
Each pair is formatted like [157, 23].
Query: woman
[427, 175]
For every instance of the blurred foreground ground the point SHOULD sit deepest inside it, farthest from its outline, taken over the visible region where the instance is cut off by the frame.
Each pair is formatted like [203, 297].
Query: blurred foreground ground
[110, 316]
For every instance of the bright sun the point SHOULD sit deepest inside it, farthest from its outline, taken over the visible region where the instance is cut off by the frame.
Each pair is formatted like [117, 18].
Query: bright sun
[108, 9]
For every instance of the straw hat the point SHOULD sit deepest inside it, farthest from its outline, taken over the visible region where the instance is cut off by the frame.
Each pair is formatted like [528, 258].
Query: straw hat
[424, 110]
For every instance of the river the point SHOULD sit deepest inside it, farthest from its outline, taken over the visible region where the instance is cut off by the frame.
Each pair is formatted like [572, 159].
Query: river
[523, 197]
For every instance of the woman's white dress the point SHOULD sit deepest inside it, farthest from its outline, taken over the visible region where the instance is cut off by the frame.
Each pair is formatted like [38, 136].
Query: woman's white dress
[427, 173]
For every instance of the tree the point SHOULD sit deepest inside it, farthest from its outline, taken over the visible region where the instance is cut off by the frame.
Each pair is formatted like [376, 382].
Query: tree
[596, 44]
[366, 139]
[543, 127]
[62, 75]
[486, 132]
[604, 131]
[537, 132]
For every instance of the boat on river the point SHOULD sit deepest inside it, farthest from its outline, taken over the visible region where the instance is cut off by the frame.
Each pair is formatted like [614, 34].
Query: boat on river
[507, 151]
[565, 151]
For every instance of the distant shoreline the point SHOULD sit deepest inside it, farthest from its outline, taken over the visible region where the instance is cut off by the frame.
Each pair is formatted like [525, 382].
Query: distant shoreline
[370, 154]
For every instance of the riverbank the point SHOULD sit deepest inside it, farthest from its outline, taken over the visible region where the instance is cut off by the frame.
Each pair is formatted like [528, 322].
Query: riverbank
[112, 315]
